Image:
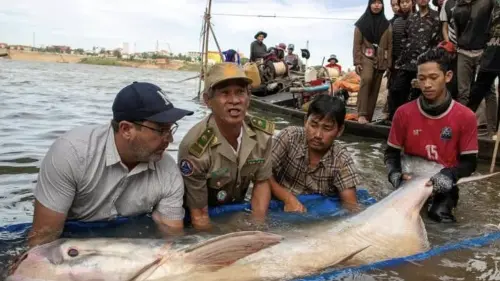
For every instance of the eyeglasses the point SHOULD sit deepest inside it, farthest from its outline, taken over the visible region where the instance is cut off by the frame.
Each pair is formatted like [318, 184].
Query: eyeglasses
[163, 132]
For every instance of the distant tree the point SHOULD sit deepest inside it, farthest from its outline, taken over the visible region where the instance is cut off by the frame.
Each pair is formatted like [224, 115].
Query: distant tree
[117, 54]
[243, 60]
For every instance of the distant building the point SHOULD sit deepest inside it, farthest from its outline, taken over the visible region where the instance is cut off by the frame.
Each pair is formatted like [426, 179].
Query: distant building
[61, 48]
[125, 49]
[20, 48]
[3, 45]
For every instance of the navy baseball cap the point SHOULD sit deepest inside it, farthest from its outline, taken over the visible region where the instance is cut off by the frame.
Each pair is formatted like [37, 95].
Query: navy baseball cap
[145, 101]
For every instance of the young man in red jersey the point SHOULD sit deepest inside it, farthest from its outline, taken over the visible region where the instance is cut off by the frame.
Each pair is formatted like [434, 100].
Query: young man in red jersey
[436, 128]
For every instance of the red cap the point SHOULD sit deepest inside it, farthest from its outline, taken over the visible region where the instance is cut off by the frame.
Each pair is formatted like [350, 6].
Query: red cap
[447, 46]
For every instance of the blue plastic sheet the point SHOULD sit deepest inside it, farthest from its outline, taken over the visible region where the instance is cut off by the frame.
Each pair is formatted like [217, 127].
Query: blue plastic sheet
[318, 207]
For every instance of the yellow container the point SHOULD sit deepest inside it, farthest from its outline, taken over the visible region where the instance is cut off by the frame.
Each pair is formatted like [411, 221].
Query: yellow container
[252, 72]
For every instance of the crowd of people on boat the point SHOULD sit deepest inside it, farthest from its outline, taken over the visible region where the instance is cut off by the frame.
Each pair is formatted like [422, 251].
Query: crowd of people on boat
[468, 30]
[281, 52]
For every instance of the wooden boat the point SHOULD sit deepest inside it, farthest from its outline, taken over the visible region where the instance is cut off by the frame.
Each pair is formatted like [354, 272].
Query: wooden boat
[284, 104]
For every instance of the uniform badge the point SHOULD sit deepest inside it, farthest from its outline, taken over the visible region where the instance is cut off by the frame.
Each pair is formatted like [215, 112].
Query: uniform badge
[446, 133]
[221, 195]
[255, 161]
[186, 167]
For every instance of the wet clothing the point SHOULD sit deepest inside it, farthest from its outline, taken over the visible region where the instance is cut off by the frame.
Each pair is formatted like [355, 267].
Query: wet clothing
[83, 177]
[214, 172]
[334, 173]
[445, 133]
[257, 50]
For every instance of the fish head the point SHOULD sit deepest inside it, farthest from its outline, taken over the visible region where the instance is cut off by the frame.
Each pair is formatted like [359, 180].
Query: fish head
[86, 259]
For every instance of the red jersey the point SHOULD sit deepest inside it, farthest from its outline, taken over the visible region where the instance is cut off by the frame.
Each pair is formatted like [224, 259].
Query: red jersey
[440, 138]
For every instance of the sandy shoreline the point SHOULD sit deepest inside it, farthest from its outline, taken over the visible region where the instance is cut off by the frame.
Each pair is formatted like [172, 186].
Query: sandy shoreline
[69, 58]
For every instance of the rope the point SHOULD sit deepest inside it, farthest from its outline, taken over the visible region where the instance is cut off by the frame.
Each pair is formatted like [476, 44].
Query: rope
[280, 68]
[285, 17]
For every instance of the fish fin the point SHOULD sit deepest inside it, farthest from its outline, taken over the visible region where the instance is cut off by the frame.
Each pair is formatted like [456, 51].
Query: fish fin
[148, 269]
[224, 250]
[476, 178]
[346, 257]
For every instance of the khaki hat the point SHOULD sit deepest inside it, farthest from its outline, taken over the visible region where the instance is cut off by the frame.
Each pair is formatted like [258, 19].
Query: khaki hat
[222, 72]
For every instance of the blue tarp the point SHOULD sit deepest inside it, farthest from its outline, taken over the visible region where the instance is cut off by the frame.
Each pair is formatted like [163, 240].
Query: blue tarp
[319, 207]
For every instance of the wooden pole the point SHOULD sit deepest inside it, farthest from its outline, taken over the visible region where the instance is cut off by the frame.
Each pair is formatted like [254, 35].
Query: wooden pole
[495, 151]
[202, 67]
[307, 47]
[216, 42]
[207, 19]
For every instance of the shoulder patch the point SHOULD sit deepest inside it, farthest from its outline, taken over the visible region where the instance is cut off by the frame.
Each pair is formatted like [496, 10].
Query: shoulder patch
[186, 167]
[262, 125]
[201, 144]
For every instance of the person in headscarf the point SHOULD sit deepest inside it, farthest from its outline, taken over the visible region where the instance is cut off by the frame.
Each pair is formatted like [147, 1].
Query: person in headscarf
[372, 51]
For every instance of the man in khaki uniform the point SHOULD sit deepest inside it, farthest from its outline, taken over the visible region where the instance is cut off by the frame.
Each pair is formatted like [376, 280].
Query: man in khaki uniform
[226, 151]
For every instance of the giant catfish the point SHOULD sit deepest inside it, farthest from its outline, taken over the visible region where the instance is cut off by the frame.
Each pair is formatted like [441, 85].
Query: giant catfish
[389, 229]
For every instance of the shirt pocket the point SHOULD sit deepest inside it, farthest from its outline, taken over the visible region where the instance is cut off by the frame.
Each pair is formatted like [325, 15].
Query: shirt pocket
[219, 178]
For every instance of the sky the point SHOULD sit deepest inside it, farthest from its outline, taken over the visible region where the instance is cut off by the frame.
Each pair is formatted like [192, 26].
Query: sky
[176, 24]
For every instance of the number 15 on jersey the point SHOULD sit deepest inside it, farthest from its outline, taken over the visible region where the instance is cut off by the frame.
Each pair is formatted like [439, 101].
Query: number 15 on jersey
[432, 153]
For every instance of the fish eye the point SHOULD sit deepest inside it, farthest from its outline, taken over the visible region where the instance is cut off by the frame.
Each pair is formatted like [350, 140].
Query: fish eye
[72, 252]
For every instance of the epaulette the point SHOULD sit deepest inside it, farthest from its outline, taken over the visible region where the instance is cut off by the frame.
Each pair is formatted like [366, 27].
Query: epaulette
[201, 144]
[262, 125]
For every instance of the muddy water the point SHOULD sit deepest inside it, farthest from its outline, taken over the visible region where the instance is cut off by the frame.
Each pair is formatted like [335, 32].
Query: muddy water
[40, 101]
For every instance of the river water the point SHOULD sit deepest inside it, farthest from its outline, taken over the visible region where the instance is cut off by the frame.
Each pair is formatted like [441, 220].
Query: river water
[40, 101]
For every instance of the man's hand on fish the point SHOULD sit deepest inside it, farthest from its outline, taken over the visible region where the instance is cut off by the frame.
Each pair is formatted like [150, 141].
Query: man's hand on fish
[168, 227]
[292, 204]
[396, 178]
[443, 181]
